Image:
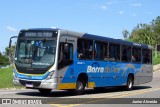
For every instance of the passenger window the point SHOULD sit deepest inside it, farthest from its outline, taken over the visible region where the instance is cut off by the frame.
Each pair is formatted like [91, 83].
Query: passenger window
[105, 48]
[126, 54]
[65, 54]
[85, 49]
[114, 52]
[146, 56]
[136, 55]
[101, 51]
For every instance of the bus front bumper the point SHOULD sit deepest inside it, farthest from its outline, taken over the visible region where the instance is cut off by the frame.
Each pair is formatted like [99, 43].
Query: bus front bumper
[36, 84]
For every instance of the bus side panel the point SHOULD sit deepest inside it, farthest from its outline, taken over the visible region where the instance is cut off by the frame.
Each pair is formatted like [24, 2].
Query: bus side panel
[142, 73]
[146, 75]
[89, 67]
[113, 74]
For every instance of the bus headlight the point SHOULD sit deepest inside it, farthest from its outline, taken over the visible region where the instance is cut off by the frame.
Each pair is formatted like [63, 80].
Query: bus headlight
[50, 75]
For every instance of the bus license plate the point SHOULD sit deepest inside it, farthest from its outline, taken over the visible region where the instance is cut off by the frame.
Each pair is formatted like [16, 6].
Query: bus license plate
[29, 85]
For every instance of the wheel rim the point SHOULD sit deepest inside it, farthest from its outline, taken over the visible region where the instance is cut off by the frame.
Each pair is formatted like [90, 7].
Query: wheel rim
[130, 84]
[80, 86]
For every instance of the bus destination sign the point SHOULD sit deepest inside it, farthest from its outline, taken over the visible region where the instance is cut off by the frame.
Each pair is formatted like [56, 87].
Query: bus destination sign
[38, 34]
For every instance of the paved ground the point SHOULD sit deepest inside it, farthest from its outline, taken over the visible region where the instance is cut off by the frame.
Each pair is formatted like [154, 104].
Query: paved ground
[149, 90]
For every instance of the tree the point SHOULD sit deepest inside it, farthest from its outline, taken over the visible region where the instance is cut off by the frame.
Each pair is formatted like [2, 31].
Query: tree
[145, 33]
[142, 34]
[125, 34]
[3, 60]
[156, 29]
[10, 53]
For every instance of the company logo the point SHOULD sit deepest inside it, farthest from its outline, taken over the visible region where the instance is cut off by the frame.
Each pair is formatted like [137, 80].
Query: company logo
[6, 101]
[95, 68]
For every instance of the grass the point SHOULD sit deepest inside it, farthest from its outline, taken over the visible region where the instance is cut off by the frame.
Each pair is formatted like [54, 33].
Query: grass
[156, 60]
[6, 78]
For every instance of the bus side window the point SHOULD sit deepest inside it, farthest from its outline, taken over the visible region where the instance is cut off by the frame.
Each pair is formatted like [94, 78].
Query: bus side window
[126, 53]
[146, 56]
[85, 49]
[101, 51]
[105, 50]
[65, 54]
[114, 52]
[136, 54]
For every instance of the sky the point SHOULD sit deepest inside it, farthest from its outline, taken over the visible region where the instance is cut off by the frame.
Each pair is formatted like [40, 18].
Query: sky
[100, 17]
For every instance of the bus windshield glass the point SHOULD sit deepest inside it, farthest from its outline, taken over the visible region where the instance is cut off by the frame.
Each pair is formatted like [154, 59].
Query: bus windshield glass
[35, 52]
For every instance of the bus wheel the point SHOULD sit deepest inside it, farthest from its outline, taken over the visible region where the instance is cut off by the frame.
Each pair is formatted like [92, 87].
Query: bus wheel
[129, 85]
[80, 86]
[45, 91]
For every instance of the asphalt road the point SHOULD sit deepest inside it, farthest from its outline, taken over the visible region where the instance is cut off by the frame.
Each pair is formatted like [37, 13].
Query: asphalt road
[92, 98]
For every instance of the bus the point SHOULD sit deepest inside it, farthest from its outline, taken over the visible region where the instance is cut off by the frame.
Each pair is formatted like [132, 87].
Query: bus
[56, 59]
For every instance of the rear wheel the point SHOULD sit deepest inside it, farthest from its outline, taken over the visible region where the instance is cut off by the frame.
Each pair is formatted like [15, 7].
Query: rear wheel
[129, 84]
[45, 91]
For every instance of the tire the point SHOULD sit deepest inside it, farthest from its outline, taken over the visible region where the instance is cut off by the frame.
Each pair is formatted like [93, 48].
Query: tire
[129, 84]
[80, 87]
[45, 91]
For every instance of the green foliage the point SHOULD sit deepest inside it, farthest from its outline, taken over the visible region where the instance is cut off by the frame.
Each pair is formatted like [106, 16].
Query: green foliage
[10, 53]
[142, 34]
[125, 33]
[145, 33]
[4, 61]
[8, 56]
[156, 60]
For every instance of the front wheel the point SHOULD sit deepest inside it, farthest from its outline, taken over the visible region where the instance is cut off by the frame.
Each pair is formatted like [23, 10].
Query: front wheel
[80, 87]
[129, 84]
[45, 91]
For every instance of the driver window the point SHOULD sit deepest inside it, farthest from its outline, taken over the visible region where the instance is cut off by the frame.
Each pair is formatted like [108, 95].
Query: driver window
[65, 54]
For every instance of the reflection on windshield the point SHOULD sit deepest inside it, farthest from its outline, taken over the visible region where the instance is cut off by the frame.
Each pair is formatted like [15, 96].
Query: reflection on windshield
[35, 53]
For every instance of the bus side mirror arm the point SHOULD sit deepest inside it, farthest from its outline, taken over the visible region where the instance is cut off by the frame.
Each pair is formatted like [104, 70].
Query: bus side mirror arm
[10, 41]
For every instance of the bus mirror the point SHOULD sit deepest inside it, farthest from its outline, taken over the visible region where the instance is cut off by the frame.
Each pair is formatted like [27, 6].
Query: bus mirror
[10, 41]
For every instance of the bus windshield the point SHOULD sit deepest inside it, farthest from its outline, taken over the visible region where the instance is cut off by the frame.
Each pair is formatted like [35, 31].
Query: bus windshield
[38, 53]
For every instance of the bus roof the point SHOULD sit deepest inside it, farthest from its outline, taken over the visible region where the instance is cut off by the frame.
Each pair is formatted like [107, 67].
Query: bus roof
[49, 29]
[95, 37]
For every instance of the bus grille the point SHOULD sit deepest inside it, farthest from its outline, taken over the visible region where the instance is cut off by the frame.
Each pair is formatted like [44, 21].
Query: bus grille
[31, 71]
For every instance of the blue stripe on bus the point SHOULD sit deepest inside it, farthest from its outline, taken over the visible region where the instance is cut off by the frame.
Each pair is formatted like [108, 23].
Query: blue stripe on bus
[30, 77]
